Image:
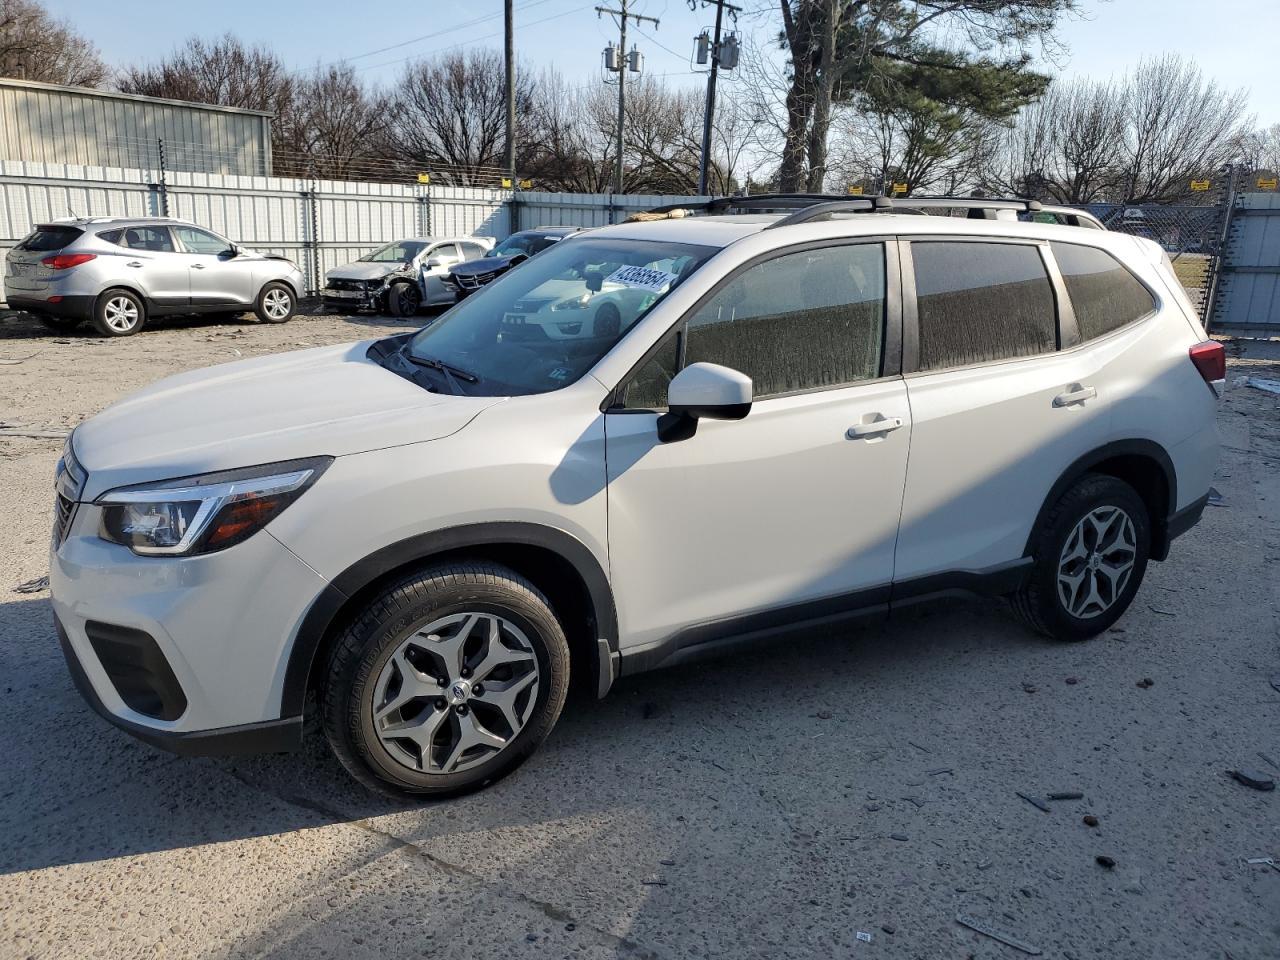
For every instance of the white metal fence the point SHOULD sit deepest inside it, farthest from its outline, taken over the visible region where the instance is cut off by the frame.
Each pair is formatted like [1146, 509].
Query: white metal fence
[318, 223]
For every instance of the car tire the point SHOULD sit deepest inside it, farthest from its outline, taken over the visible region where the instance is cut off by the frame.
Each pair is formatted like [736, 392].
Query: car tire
[119, 313]
[60, 324]
[404, 299]
[1090, 553]
[276, 303]
[386, 675]
[607, 322]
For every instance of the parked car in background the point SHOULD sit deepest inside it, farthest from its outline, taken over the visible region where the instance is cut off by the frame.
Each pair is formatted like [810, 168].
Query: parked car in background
[403, 276]
[511, 252]
[118, 273]
[463, 521]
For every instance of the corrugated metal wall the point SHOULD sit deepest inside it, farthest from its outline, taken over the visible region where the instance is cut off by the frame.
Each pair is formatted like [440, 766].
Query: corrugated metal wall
[53, 124]
[320, 224]
[1248, 294]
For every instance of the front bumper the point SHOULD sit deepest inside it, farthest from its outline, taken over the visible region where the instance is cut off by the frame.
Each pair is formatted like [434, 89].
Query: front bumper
[207, 676]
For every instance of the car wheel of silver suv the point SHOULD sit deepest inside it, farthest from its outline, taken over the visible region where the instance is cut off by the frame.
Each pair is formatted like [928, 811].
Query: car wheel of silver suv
[447, 681]
[276, 303]
[119, 313]
[1090, 554]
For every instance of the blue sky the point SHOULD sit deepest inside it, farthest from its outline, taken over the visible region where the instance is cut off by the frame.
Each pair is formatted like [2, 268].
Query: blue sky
[1232, 40]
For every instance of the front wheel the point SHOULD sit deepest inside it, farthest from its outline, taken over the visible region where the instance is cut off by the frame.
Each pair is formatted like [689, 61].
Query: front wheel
[404, 299]
[447, 681]
[1090, 554]
[276, 303]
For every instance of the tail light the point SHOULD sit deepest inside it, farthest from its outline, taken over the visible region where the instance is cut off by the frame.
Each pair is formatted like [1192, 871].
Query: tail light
[65, 261]
[1210, 360]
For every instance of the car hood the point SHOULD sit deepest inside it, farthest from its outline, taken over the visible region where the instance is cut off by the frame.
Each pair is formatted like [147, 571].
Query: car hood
[364, 271]
[482, 265]
[327, 401]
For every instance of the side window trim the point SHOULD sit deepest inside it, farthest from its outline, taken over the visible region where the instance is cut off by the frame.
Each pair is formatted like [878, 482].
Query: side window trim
[891, 354]
[910, 309]
[1068, 328]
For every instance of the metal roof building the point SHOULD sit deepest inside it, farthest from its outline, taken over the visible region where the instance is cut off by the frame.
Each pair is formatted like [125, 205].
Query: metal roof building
[56, 124]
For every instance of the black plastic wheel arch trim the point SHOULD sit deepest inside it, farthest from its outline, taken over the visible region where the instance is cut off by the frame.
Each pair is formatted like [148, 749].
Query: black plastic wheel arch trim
[270, 736]
[1143, 448]
[422, 547]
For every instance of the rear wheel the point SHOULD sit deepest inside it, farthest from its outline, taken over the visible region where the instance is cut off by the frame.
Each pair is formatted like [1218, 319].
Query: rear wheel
[276, 303]
[446, 681]
[119, 313]
[1090, 554]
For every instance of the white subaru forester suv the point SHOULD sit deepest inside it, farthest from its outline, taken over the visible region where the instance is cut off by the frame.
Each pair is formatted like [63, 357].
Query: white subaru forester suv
[803, 419]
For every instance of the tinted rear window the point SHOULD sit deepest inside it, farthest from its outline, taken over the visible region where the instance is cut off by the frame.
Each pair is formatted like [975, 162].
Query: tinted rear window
[981, 302]
[49, 238]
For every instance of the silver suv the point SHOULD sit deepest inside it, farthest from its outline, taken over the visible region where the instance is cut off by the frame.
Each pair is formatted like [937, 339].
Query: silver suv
[118, 272]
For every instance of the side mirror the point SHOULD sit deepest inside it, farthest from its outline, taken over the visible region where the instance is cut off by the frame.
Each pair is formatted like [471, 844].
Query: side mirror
[595, 280]
[232, 251]
[703, 391]
[433, 263]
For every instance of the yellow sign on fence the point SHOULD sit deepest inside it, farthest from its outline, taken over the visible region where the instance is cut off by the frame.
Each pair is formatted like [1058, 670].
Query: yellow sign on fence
[899, 188]
[1266, 183]
[1200, 186]
[424, 178]
[526, 184]
[855, 191]
[506, 183]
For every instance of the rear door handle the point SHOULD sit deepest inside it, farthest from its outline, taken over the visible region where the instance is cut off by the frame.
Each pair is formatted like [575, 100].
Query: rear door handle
[1077, 394]
[197, 266]
[873, 427]
[133, 263]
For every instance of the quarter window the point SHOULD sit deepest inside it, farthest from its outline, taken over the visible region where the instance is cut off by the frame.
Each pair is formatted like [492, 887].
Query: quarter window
[981, 302]
[798, 322]
[1104, 295]
[647, 388]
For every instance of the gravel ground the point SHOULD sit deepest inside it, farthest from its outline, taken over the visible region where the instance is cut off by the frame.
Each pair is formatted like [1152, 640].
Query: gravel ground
[762, 806]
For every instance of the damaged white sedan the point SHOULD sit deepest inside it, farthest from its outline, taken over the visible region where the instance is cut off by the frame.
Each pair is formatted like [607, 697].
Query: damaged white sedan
[401, 277]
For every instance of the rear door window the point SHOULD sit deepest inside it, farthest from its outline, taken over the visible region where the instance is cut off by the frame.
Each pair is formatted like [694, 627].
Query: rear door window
[48, 238]
[981, 302]
[1104, 295]
[155, 239]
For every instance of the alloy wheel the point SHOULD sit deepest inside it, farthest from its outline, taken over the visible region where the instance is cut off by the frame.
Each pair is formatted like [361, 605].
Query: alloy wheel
[1096, 562]
[276, 304]
[455, 693]
[121, 314]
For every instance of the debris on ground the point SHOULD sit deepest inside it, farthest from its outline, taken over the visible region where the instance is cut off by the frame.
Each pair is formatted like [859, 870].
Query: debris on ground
[1253, 778]
[9, 361]
[1269, 861]
[1072, 681]
[938, 771]
[653, 882]
[1104, 861]
[38, 585]
[1259, 383]
[1034, 801]
[1090, 820]
[899, 836]
[864, 936]
[871, 807]
[912, 743]
[33, 434]
[888, 928]
[983, 927]
[1145, 683]
[1215, 498]
[917, 801]
[824, 714]
[1029, 687]
[1163, 613]
[1066, 795]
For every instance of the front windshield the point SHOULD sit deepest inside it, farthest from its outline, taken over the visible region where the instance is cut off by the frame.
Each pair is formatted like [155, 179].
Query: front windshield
[401, 251]
[543, 326]
[516, 243]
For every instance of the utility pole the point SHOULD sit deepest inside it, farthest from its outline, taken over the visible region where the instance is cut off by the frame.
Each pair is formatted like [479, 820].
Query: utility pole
[718, 53]
[622, 62]
[509, 160]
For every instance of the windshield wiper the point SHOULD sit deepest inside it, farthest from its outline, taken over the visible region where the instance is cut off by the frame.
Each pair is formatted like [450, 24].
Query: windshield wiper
[452, 374]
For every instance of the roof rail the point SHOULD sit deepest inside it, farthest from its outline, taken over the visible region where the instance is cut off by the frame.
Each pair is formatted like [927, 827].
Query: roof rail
[817, 211]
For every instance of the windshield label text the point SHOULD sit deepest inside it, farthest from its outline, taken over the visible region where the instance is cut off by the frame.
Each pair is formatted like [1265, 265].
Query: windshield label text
[643, 277]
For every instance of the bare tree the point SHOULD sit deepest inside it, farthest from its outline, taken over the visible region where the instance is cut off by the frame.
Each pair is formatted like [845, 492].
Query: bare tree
[225, 72]
[36, 46]
[1179, 126]
[566, 149]
[448, 114]
[335, 128]
[1258, 151]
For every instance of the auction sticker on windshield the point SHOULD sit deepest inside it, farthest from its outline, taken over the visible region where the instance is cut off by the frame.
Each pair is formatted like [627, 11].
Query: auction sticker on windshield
[643, 277]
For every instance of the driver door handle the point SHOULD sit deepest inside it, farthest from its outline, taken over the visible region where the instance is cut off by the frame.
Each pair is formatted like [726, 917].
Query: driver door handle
[872, 428]
[1077, 394]
[197, 266]
[134, 263]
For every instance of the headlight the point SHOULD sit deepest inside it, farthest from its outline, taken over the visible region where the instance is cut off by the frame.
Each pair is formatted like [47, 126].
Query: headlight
[577, 303]
[205, 513]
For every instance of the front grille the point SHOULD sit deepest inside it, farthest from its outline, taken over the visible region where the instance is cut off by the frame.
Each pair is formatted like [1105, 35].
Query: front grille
[357, 285]
[474, 281]
[63, 510]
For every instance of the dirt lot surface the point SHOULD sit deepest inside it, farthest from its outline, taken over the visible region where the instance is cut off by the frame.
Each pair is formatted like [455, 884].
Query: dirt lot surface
[765, 806]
